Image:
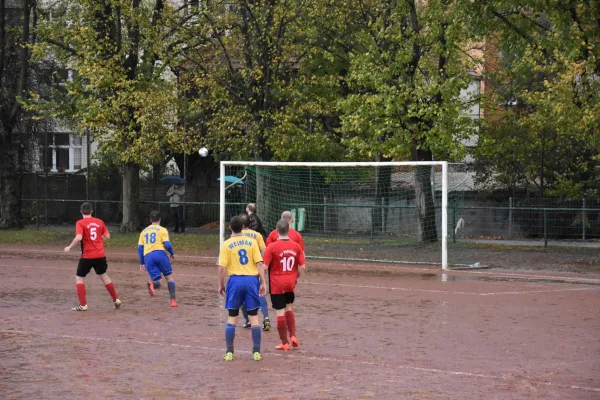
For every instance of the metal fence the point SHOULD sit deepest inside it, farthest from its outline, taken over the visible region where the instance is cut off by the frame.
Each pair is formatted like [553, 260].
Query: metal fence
[516, 219]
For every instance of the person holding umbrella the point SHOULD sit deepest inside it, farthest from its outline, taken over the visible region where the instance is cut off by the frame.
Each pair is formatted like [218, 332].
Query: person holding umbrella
[176, 195]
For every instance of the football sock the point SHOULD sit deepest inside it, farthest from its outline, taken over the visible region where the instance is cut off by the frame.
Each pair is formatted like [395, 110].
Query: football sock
[81, 293]
[111, 289]
[291, 322]
[156, 283]
[282, 329]
[263, 306]
[229, 336]
[171, 285]
[256, 334]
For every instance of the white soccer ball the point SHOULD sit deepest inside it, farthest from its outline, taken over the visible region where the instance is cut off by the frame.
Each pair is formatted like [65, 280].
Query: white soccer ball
[203, 151]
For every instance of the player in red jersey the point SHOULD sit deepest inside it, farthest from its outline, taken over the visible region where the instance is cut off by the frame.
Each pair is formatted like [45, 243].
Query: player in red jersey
[294, 235]
[91, 233]
[285, 261]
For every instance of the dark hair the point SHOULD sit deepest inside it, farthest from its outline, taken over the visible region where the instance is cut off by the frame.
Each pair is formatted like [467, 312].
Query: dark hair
[155, 216]
[86, 208]
[236, 224]
[245, 220]
[283, 227]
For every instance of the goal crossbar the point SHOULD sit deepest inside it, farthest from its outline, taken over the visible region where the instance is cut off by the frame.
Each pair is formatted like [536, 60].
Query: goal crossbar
[444, 189]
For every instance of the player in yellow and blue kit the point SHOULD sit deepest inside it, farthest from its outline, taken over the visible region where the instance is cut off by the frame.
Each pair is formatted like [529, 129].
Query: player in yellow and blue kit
[263, 300]
[152, 249]
[240, 258]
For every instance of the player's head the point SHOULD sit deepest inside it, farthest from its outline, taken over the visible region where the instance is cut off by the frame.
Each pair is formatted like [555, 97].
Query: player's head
[287, 216]
[283, 228]
[236, 224]
[86, 208]
[155, 217]
[251, 208]
[245, 220]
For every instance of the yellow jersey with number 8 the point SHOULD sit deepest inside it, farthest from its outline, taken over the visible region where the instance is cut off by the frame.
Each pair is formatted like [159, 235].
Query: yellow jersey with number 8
[239, 255]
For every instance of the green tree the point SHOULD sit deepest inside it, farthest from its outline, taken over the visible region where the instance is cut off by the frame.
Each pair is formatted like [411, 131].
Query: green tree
[407, 63]
[19, 74]
[544, 96]
[122, 92]
[249, 84]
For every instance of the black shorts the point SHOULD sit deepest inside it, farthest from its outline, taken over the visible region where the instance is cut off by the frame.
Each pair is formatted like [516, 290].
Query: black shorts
[279, 301]
[86, 265]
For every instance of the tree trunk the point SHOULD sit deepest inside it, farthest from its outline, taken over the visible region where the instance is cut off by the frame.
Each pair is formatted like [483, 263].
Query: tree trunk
[131, 198]
[424, 201]
[9, 188]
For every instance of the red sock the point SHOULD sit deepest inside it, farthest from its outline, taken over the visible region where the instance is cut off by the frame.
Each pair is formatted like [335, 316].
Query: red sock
[81, 294]
[291, 322]
[282, 329]
[111, 289]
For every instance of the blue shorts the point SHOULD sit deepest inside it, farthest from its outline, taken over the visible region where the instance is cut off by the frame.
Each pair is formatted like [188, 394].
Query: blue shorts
[157, 263]
[242, 289]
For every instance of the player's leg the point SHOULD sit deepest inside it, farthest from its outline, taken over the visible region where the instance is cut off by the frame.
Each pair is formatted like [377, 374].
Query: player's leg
[153, 268]
[251, 298]
[164, 267]
[100, 266]
[83, 268]
[264, 308]
[291, 318]
[278, 301]
[171, 286]
[246, 320]
[233, 302]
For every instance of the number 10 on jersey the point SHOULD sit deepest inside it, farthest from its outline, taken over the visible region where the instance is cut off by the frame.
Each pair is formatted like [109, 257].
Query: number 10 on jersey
[288, 263]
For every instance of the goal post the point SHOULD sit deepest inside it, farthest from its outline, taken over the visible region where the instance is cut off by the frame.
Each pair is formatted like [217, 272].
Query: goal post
[396, 212]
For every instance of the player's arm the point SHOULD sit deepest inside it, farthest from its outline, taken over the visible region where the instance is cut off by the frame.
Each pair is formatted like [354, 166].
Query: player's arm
[167, 243]
[301, 264]
[76, 240]
[257, 258]
[141, 252]
[261, 245]
[106, 234]
[223, 263]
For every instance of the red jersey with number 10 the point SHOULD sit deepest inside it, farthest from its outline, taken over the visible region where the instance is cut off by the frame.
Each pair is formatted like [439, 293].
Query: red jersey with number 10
[91, 230]
[283, 258]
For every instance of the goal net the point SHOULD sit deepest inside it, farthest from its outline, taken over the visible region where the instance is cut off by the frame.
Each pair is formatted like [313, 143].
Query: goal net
[402, 212]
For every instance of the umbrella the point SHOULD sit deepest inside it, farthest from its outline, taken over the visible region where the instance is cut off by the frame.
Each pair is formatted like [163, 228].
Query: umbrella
[232, 179]
[172, 180]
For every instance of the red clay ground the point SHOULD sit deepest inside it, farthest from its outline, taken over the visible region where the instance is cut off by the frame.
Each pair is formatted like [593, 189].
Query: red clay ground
[367, 331]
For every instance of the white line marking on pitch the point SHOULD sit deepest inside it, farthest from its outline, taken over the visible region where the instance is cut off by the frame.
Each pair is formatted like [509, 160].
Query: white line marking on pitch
[311, 358]
[459, 272]
[111, 253]
[370, 286]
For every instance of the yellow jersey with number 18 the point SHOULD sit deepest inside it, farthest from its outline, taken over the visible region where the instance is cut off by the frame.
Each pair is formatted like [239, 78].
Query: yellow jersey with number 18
[239, 255]
[153, 238]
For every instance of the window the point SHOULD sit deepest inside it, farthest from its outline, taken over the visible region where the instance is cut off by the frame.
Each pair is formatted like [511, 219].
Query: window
[61, 152]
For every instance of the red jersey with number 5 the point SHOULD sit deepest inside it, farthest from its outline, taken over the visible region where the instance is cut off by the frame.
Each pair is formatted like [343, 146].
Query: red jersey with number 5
[283, 258]
[91, 230]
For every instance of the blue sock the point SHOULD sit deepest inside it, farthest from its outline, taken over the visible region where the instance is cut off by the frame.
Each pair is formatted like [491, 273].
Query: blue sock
[156, 283]
[229, 336]
[256, 334]
[245, 313]
[171, 285]
[263, 306]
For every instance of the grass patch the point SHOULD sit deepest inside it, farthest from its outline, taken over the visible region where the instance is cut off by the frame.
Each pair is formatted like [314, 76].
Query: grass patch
[184, 243]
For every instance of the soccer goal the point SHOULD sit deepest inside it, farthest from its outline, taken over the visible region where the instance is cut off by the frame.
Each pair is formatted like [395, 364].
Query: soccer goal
[399, 212]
